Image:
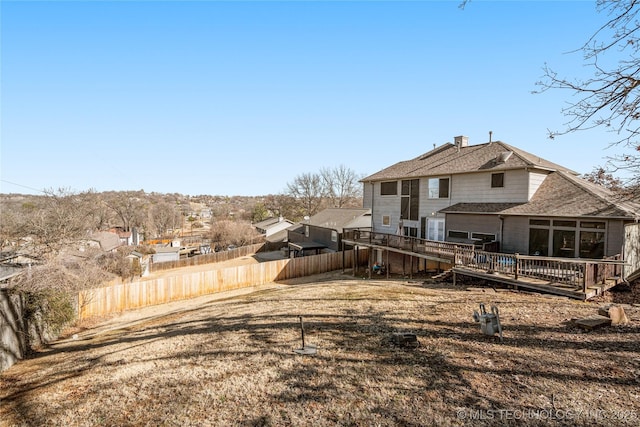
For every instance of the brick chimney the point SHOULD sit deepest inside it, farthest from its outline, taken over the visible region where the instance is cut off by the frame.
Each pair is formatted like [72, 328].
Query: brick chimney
[461, 141]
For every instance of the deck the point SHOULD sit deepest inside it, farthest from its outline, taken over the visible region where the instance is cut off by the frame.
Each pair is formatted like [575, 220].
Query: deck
[571, 277]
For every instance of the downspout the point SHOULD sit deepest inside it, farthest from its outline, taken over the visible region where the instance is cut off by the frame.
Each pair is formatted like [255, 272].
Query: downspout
[373, 194]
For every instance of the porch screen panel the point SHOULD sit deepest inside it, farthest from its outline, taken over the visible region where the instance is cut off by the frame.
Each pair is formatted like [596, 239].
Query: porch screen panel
[591, 244]
[539, 241]
[564, 243]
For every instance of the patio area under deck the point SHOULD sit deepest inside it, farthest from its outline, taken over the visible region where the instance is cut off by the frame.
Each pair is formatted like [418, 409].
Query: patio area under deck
[571, 277]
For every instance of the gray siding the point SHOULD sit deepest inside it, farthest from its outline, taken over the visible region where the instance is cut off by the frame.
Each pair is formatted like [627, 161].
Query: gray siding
[367, 194]
[384, 205]
[535, 180]
[615, 238]
[516, 235]
[319, 235]
[489, 224]
[476, 187]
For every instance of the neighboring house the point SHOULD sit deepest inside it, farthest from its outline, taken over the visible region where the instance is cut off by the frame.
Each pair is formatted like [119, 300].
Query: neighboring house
[323, 231]
[126, 237]
[167, 253]
[105, 240]
[494, 192]
[273, 229]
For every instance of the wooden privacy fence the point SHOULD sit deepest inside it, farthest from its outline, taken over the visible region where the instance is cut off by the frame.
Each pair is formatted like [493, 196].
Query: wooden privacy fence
[206, 258]
[122, 297]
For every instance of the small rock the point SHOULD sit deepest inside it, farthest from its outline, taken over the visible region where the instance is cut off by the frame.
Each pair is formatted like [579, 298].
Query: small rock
[405, 339]
[618, 316]
[593, 322]
[615, 313]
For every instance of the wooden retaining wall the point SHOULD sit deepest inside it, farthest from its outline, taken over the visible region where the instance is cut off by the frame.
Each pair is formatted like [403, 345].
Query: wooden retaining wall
[121, 297]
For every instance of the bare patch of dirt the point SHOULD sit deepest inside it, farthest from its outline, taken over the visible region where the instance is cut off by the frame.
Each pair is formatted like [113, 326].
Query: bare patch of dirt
[229, 360]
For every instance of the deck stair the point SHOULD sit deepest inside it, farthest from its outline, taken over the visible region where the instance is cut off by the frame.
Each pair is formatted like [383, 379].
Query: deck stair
[443, 275]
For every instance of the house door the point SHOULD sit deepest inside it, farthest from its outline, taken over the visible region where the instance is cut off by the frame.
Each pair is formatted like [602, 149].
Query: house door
[435, 229]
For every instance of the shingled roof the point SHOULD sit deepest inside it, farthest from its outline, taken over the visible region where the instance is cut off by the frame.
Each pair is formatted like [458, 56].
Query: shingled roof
[339, 218]
[451, 159]
[562, 195]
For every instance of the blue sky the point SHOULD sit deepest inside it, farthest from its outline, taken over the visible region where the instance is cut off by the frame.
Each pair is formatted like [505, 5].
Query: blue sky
[238, 98]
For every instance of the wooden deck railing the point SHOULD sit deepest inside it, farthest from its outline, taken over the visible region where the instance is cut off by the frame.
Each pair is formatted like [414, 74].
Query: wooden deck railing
[445, 250]
[576, 273]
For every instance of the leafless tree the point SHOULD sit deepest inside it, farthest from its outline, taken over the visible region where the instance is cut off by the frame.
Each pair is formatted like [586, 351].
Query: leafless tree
[101, 216]
[342, 186]
[600, 176]
[67, 275]
[609, 97]
[309, 190]
[54, 220]
[229, 232]
[162, 217]
[283, 205]
[129, 206]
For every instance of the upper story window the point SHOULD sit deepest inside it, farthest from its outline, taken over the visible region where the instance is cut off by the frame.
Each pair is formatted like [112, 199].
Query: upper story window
[389, 188]
[438, 188]
[497, 180]
[409, 201]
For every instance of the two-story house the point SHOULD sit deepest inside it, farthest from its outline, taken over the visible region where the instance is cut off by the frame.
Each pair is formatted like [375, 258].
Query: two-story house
[494, 192]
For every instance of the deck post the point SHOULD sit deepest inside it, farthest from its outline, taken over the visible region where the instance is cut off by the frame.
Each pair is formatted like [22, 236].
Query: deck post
[370, 257]
[388, 267]
[515, 267]
[354, 258]
[404, 264]
[586, 277]
[411, 267]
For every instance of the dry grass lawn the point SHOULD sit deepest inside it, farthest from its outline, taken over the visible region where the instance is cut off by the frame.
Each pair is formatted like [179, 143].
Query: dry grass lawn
[228, 360]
